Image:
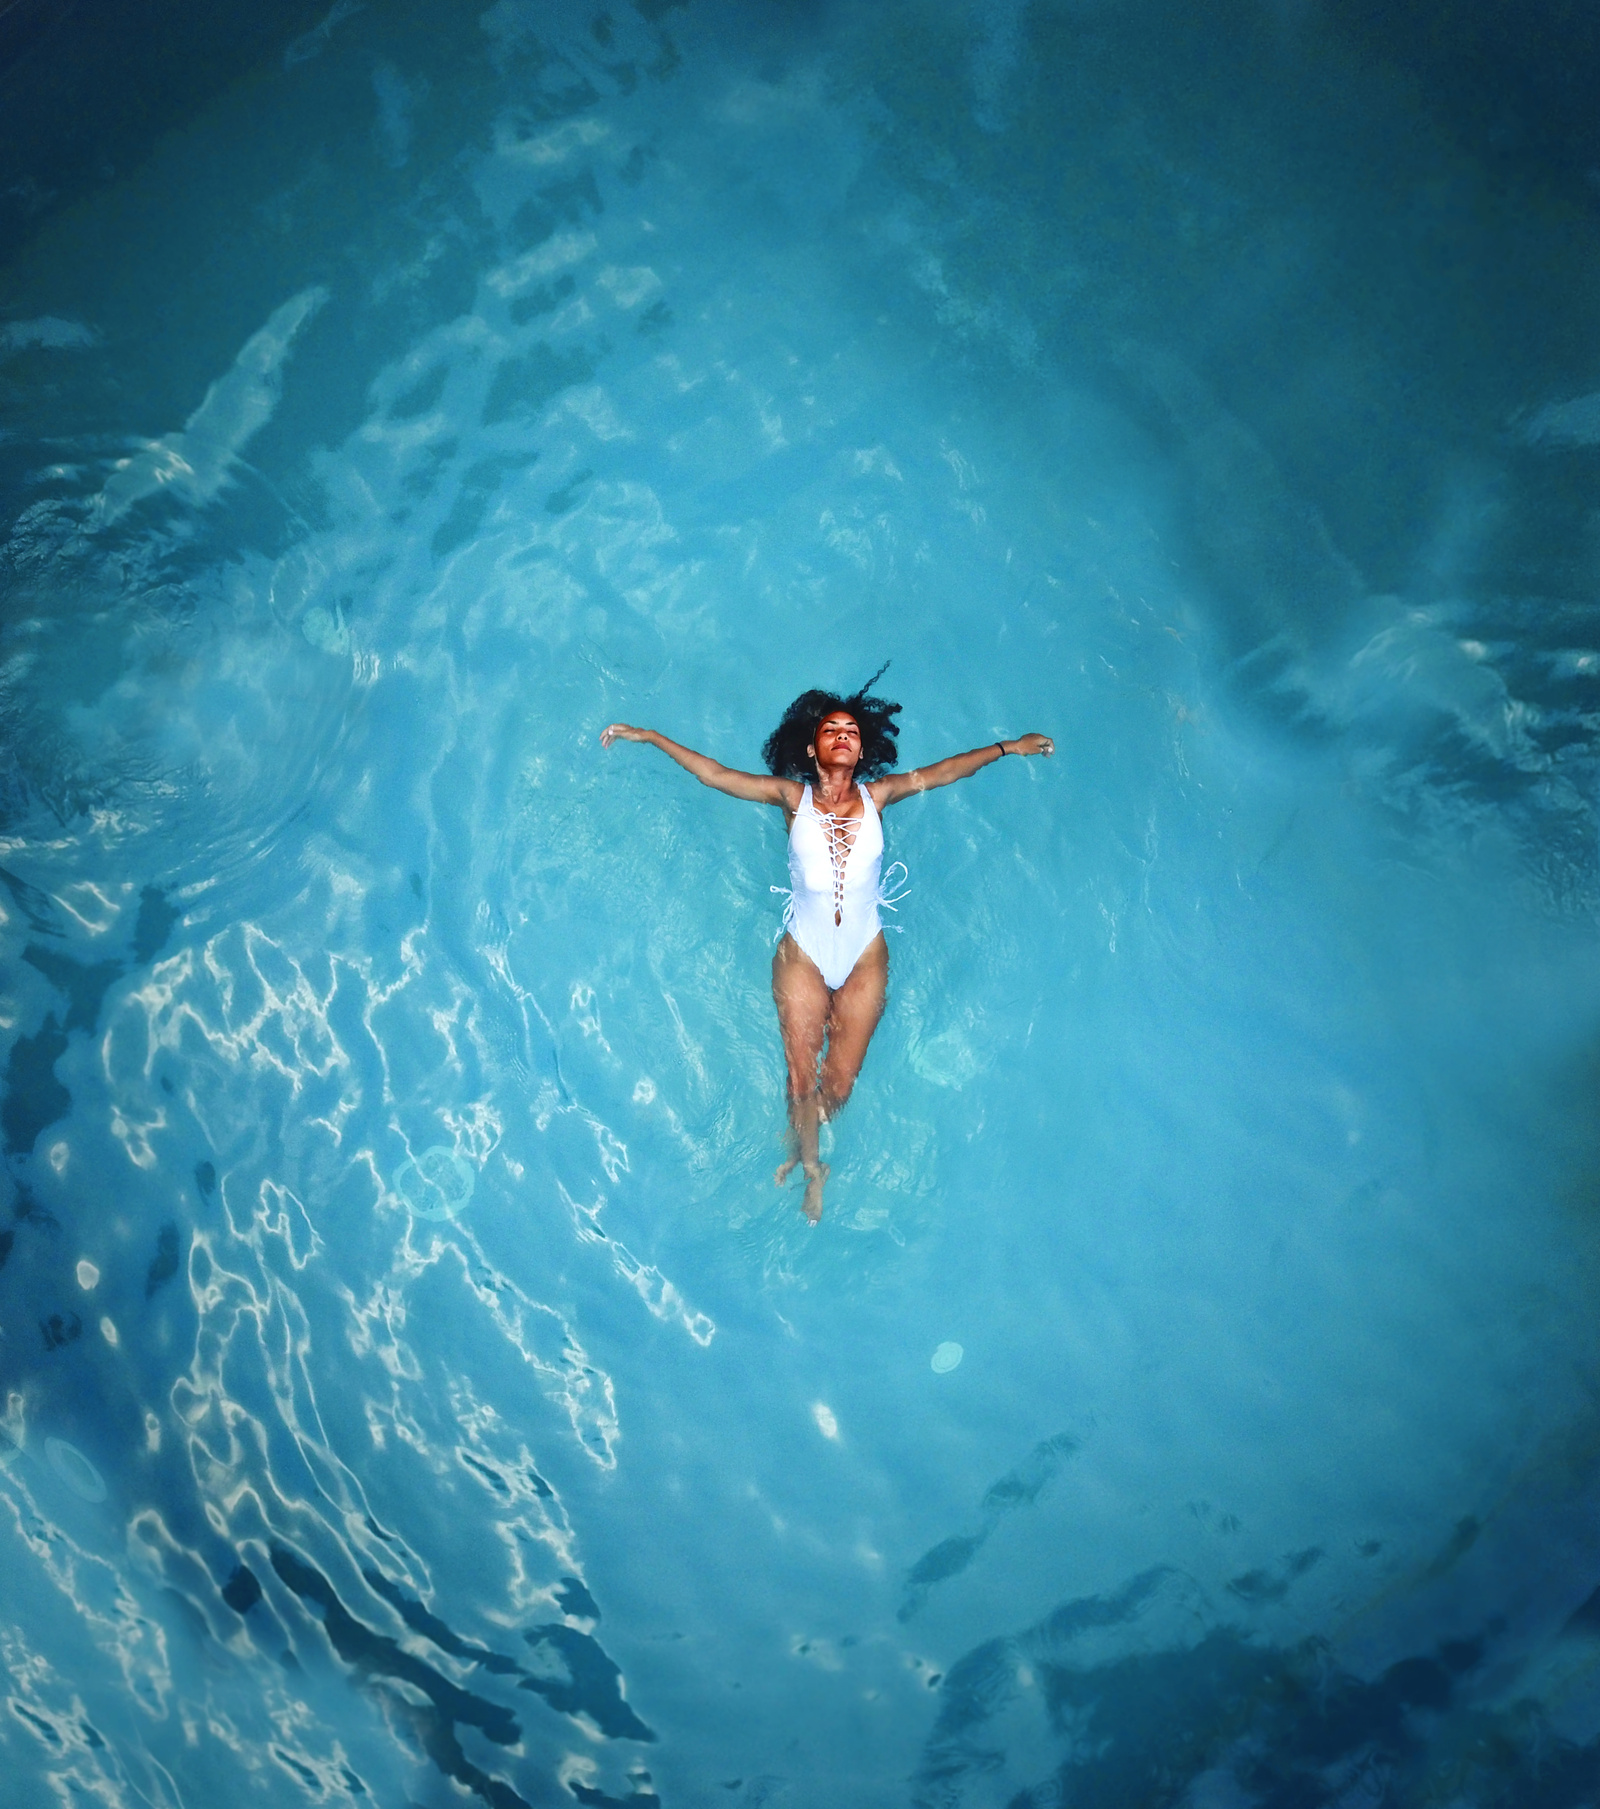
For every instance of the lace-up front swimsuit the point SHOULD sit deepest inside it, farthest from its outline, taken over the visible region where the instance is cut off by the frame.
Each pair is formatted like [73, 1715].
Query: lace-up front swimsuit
[835, 876]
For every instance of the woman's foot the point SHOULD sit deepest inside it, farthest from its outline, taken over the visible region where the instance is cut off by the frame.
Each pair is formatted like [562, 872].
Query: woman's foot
[816, 1174]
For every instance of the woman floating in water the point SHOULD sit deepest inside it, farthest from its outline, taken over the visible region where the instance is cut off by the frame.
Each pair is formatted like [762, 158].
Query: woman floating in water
[832, 966]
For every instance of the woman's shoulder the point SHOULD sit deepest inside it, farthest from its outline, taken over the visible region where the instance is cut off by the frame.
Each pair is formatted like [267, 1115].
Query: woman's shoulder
[890, 788]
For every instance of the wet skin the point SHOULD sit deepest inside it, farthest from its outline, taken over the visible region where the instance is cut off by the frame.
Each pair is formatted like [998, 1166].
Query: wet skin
[825, 1029]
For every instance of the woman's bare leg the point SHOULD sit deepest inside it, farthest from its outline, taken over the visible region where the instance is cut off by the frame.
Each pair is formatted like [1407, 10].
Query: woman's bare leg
[801, 995]
[852, 1017]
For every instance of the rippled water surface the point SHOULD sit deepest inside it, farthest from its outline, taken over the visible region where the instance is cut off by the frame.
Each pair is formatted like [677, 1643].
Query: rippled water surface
[415, 1391]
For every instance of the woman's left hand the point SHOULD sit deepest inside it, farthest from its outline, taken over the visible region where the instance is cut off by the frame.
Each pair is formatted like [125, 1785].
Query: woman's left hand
[623, 731]
[1031, 744]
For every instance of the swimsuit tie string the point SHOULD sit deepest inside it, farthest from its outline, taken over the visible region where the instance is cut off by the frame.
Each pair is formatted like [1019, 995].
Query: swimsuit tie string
[892, 890]
[787, 922]
[841, 836]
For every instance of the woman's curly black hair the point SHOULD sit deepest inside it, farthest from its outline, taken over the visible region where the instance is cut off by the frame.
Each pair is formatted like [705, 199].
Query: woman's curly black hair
[785, 749]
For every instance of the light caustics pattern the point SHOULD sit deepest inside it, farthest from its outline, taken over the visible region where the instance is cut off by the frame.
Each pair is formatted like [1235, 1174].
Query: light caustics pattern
[415, 1390]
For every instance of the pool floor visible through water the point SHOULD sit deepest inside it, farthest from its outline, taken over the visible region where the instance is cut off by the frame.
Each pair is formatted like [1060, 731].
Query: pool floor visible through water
[415, 1388]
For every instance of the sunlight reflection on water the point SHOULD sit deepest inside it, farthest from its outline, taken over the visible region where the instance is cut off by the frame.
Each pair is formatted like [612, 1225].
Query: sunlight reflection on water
[396, 1075]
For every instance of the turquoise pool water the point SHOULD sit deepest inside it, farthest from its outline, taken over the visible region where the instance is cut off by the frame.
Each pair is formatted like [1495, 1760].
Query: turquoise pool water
[415, 1390]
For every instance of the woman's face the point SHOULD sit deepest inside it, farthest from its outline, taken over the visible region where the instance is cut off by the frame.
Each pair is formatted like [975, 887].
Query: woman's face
[837, 741]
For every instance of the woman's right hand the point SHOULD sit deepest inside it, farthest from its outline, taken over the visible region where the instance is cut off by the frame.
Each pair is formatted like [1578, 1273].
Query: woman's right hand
[622, 731]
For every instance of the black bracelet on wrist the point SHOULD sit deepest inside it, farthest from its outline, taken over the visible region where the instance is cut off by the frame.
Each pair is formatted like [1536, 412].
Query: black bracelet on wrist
[1002, 747]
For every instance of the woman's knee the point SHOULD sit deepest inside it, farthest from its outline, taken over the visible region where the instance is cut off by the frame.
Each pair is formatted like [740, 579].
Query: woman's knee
[835, 1090]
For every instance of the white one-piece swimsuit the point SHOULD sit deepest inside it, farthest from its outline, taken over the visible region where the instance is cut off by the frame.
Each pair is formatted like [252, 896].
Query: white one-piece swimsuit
[835, 870]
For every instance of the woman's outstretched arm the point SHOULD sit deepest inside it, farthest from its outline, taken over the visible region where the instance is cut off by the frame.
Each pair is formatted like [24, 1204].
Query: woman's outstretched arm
[754, 788]
[895, 786]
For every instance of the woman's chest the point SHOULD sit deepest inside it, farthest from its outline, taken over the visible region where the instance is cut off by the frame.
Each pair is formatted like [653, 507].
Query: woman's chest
[826, 849]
